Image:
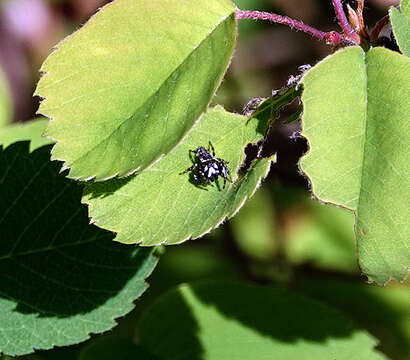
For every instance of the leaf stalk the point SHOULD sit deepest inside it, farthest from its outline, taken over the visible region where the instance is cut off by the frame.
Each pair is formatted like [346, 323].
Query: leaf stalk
[331, 37]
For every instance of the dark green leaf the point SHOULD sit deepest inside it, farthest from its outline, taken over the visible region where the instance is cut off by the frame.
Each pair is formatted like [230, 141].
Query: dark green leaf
[117, 348]
[61, 278]
[385, 312]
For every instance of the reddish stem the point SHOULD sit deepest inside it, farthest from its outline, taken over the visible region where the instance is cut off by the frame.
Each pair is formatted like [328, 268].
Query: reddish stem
[331, 37]
[343, 22]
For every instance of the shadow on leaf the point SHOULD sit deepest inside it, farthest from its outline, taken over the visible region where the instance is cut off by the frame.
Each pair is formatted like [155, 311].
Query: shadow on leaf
[220, 319]
[103, 189]
[52, 262]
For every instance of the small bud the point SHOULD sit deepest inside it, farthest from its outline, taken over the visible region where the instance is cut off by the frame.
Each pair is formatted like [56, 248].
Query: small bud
[333, 38]
[353, 19]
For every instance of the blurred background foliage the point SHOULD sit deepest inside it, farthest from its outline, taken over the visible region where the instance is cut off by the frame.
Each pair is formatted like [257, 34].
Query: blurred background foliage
[281, 236]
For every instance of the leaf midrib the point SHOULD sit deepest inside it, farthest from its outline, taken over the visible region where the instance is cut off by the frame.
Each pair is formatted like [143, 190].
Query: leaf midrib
[188, 57]
[364, 139]
[47, 248]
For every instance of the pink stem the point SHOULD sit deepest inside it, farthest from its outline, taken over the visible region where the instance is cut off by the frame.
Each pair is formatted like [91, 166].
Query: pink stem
[331, 37]
[343, 22]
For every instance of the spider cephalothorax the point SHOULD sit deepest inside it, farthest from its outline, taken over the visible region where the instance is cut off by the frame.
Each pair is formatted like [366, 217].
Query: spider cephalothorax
[207, 168]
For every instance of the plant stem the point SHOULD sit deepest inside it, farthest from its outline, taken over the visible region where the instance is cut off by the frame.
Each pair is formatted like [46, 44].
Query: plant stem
[331, 37]
[343, 22]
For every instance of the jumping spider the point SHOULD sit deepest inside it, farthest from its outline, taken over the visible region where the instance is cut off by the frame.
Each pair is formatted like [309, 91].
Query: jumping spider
[207, 168]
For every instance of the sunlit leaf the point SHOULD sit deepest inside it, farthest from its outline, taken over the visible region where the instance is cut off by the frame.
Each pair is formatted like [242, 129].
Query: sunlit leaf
[31, 131]
[401, 26]
[161, 205]
[125, 88]
[355, 118]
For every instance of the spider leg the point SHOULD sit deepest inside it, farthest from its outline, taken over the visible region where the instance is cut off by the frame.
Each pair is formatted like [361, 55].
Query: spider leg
[211, 148]
[225, 172]
[188, 170]
[190, 155]
[229, 177]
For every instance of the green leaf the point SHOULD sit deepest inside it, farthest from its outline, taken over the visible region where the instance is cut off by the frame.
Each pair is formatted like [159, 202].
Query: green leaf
[224, 320]
[356, 113]
[268, 109]
[400, 21]
[321, 235]
[405, 6]
[161, 205]
[254, 227]
[6, 109]
[124, 89]
[61, 278]
[383, 311]
[192, 262]
[114, 347]
[31, 131]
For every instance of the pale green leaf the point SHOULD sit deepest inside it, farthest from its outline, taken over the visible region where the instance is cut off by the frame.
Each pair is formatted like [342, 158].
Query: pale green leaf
[254, 227]
[405, 6]
[400, 21]
[61, 278]
[224, 320]
[321, 235]
[6, 110]
[31, 131]
[356, 113]
[161, 205]
[125, 88]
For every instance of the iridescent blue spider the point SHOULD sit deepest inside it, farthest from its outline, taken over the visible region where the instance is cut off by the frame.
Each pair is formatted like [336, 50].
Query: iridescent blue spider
[207, 168]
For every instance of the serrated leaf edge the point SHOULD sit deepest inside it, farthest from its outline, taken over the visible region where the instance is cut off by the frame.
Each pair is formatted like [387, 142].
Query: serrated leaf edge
[128, 307]
[66, 165]
[224, 217]
[370, 280]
